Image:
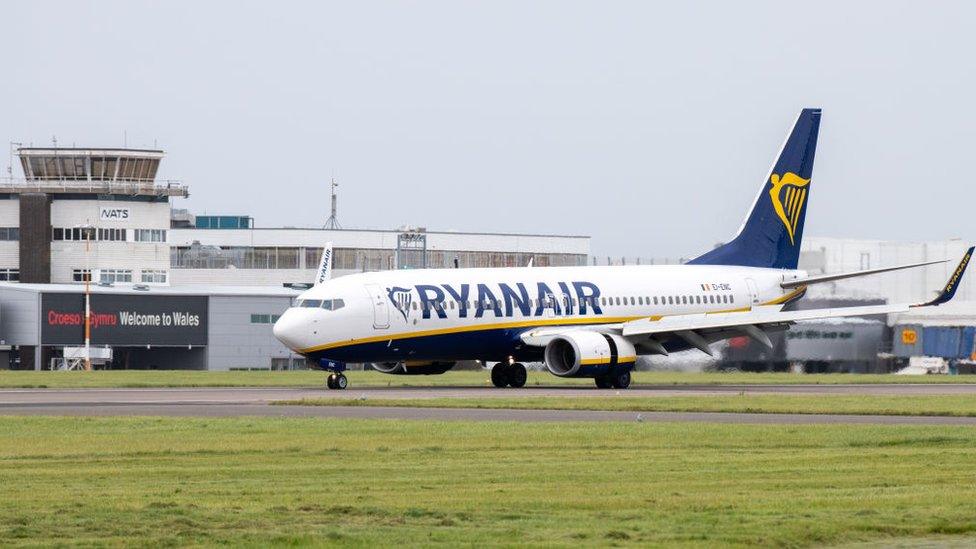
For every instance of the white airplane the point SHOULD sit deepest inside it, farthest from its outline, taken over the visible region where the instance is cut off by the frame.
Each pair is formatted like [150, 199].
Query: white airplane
[582, 321]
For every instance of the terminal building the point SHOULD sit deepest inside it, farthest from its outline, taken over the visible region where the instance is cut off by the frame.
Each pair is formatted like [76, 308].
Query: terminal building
[82, 211]
[257, 256]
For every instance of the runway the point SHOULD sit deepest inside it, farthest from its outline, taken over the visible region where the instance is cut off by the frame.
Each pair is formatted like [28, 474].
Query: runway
[233, 402]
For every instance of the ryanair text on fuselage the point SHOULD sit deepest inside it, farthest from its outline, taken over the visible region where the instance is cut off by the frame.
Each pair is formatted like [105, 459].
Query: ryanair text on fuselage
[503, 300]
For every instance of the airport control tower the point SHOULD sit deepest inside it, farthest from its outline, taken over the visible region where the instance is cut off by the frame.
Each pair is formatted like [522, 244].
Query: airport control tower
[86, 213]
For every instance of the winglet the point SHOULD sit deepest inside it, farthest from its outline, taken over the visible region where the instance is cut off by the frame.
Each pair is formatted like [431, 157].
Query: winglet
[325, 266]
[950, 288]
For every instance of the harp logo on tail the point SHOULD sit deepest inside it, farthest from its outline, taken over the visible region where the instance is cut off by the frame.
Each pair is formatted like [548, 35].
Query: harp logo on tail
[788, 194]
[401, 299]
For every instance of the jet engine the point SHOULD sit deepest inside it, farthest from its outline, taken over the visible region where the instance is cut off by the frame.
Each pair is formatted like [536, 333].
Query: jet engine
[413, 368]
[588, 354]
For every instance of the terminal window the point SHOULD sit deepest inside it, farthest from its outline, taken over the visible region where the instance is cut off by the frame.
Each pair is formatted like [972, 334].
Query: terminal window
[76, 233]
[115, 275]
[150, 235]
[111, 235]
[9, 233]
[264, 319]
[151, 276]
[9, 275]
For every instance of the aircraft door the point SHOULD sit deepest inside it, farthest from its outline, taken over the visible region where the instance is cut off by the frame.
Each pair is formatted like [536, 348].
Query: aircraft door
[381, 306]
[753, 292]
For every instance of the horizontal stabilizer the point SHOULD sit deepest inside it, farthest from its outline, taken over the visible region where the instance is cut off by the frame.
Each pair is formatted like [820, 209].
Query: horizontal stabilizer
[840, 276]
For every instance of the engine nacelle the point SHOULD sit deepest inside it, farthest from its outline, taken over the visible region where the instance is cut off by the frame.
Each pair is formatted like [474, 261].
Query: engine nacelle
[413, 368]
[588, 354]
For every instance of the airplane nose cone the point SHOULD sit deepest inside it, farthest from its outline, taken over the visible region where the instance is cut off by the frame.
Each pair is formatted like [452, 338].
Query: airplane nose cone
[287, 330]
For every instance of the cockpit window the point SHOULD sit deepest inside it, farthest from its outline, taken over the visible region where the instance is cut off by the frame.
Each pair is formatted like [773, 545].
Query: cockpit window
[333, 304]
[311, 303]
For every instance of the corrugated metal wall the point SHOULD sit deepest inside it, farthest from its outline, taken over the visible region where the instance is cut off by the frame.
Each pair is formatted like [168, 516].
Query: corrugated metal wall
[942, 341]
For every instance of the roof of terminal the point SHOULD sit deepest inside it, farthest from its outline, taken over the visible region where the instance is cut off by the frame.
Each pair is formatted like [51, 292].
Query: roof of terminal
[252, 291]
[99, 151]
[385, 231]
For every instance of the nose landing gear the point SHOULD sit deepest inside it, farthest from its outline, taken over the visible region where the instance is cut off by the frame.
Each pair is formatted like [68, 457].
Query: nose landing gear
[336, 379]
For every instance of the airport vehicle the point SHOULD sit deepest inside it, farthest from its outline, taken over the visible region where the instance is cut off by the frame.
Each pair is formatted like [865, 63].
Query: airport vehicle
[582, 321]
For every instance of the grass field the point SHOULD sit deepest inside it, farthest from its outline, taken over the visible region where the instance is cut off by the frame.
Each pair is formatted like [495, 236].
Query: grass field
[915, 405]
[255, 482]
[179, 378]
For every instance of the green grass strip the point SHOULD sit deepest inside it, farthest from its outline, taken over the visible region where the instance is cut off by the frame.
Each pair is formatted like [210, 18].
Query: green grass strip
[181, 378]
[366, 483]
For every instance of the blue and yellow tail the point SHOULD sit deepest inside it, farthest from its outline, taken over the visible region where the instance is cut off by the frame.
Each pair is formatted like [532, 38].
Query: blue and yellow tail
[770, 236]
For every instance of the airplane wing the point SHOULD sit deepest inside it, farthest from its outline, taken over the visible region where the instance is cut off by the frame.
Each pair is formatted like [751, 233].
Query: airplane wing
[698, 330]
[796, 283]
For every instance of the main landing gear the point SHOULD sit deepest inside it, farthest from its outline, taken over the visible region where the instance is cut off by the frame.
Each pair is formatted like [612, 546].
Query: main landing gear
[508, 375]
[616, 380]
[337, 381]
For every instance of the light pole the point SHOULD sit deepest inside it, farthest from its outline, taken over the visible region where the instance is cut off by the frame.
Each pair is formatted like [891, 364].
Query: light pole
[87, 232]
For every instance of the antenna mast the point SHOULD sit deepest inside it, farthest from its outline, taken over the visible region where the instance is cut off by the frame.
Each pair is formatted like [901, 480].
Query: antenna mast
[333, 222]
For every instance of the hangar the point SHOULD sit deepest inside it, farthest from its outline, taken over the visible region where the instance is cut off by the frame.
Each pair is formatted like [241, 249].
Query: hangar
[195, 328]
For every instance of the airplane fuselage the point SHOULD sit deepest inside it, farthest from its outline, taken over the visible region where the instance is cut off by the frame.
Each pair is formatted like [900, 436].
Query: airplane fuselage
[465, 314]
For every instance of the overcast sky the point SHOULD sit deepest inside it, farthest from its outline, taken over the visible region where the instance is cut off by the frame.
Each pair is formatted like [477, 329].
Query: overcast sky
[647, 125]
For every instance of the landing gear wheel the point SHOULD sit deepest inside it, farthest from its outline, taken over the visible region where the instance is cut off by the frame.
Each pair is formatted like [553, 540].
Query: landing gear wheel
[621, 380]
[341, 382]
[517, 375]
[330, 381]
[602, 382]
[499, 375]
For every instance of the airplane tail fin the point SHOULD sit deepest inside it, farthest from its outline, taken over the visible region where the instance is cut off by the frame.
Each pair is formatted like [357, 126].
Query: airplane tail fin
[770, 236]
